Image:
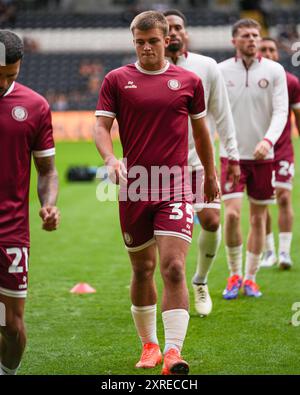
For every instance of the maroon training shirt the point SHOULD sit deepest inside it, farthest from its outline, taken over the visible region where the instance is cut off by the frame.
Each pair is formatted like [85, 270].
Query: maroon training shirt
[25, 128]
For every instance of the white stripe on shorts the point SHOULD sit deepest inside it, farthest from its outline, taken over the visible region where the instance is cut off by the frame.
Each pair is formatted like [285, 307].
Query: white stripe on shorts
[175, 234]
[13, 294]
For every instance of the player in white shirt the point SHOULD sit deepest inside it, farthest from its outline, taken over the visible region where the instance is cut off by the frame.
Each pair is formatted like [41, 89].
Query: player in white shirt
[257, 90]
[218, 117]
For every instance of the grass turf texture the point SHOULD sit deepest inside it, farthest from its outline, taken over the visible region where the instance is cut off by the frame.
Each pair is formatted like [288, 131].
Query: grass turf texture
[94, 334]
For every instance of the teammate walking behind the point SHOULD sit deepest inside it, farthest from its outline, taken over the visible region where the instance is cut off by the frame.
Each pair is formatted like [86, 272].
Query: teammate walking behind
[284, 172]
[258, 96]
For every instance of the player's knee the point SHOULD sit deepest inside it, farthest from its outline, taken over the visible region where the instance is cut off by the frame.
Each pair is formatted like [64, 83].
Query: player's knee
[233, 217]
[211, 223]
[257, 221]
[144, 270]
[173, 270]
[283, 200]
[14, 329]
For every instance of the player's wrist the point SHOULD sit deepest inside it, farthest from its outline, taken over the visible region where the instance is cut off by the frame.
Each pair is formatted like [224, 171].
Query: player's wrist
[268, 141]
[109, 158]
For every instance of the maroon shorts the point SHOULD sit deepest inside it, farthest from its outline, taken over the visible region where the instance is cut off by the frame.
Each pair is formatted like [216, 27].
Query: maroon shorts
[284, 173]
[197, 184]
[142, 221]
[14, 271]
[257, 177]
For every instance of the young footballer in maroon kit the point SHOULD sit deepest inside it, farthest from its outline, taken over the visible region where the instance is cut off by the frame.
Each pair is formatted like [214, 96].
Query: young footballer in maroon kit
[25, 129]
[284, 172]
[151, 101]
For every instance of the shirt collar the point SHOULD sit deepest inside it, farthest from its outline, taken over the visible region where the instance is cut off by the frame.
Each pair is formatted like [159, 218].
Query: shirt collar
[9, 90]
[161, 71]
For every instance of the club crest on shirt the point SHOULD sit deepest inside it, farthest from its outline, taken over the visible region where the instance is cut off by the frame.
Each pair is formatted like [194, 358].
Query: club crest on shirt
[19, 113]
[263, 83]
[128, 238]
[174, 85]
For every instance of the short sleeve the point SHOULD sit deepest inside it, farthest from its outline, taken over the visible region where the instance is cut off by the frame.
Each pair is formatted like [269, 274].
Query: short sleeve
[107, 101]
[44, 142]
[197, 107]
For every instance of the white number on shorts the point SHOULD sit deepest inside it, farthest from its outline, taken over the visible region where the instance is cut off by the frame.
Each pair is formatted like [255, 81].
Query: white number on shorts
[14, 267]
[179, 213]
[176, 210]
[190, 213]
[286, 168]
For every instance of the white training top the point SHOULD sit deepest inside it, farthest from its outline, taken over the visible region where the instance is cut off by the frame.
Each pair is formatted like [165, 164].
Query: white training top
[217, 104]
[259, 102]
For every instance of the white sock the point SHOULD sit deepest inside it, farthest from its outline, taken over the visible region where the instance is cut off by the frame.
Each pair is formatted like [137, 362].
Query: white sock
[252, 265]
[4, 371]
[285, 241]
[144, 318]
[269, 242]
[235, 259]
[208, 243]
[175, 325]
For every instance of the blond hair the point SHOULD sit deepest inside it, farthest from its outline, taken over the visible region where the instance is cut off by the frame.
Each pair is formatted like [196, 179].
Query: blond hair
[150, 20]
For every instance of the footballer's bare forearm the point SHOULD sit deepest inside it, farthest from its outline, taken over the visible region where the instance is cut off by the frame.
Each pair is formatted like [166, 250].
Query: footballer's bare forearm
[47, 184]
[103, 139]
[296, 112]
[204, 146]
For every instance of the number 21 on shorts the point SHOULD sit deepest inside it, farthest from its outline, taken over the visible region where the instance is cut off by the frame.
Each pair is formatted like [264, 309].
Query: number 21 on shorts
[15, 267]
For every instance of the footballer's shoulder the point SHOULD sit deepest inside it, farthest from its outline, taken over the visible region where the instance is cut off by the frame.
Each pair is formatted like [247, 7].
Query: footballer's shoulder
[227, 63]
[272, 65]
[292, 78]
[120, 71]
[202, 59]
[183, 72]
[32, 96]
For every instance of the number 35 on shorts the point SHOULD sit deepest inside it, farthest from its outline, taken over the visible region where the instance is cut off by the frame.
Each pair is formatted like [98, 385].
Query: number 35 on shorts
[178, 213]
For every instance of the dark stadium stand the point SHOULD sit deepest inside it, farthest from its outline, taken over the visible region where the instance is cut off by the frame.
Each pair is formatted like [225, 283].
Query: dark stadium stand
[57, 75]
[60, 73]
[42, 20]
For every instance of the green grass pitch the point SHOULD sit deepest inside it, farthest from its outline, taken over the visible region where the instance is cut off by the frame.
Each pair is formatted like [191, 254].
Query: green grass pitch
[94, 334]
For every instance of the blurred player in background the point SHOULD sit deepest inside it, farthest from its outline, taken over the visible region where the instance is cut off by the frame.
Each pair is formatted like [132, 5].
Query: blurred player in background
[284, 172]
[258, 96]
[219, 117]
[151, 101]
[25, 129]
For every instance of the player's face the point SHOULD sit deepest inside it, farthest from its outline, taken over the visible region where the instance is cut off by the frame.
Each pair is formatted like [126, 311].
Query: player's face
[247, 41]
[268, 49]
[150, 48]
[8, 74]
[177, 33]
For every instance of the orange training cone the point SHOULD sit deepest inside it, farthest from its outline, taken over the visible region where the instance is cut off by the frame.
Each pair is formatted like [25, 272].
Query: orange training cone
[82, 288]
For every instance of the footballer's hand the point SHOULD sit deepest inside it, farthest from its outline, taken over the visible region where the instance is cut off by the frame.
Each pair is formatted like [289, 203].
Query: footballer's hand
[262, 149]
[50, 216]
[117, 172]
[211, 189]
[233, 173]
